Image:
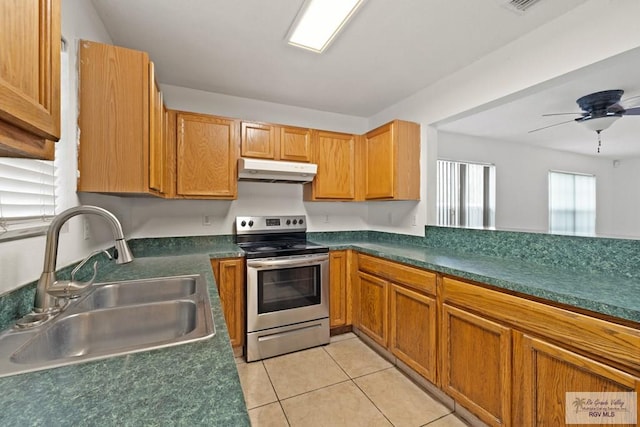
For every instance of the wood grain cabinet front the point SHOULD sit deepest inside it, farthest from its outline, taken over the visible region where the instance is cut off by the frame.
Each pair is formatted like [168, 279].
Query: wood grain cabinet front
[230, 279]
[335, 155]
[29, 78]
[476, 364]
[392, 165]
[120, 122]
[412, 330]
[206, 156]
[339, 290]
[408, 328]
[372, 308]
[275, 142]
[546, 372]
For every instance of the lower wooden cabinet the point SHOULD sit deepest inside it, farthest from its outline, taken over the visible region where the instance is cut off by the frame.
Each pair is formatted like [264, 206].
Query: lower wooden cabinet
[476, 364]
[546, 372]
[339, 295]
[372, 307]
[230, 279]
[412, 330]
[396, 307]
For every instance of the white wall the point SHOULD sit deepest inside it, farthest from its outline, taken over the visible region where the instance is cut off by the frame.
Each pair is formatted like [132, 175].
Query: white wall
[154, 218]
[21, 261]
[522, 179]
[539, 59]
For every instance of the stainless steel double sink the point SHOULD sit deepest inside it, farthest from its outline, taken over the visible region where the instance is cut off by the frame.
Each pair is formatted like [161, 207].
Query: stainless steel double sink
[113, 319]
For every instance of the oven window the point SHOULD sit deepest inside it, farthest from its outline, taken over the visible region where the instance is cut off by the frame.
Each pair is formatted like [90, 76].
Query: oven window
[288, 288]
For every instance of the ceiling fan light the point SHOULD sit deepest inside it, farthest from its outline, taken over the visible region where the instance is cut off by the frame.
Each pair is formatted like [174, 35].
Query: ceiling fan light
[600, 123]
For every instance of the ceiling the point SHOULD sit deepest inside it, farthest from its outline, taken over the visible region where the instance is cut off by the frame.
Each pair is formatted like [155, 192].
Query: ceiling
[390, 50]
[512, 121]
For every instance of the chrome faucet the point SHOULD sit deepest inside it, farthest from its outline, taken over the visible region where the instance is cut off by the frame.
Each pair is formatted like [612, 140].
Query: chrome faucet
[49, 290]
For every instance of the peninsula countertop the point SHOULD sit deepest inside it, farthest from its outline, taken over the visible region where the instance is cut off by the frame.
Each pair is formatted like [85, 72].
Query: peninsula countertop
[190, 384]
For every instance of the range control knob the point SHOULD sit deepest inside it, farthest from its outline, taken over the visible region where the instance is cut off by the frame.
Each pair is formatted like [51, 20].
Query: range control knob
[295, 221]
[250, 223]
[243, 223]
[301, 221]
[288, 222]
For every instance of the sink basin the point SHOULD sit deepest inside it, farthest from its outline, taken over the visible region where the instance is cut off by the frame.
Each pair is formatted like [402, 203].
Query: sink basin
[111, 332]
[138, 292]
[113, 319]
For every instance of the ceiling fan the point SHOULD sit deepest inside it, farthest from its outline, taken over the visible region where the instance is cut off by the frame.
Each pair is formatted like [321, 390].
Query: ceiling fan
[600, 110]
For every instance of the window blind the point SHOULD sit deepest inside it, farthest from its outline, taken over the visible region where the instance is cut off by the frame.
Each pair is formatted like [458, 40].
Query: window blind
[465, 194]
[572, 203]
[27, 196]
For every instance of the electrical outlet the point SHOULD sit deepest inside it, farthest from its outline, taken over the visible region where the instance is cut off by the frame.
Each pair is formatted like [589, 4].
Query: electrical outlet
[414, 220]
[326, 219]
[390, 218]
[206, 220]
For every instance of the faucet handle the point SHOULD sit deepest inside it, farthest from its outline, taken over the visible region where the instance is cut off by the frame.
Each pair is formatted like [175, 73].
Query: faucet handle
[84, 261]
[70, 288]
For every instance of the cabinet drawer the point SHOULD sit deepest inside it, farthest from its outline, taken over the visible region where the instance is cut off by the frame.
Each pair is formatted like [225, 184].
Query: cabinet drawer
[421, 280]
[607, 340]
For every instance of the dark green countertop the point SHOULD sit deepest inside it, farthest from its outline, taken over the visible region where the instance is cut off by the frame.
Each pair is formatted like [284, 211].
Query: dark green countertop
[608, 294]
[197, 384]
[191, 384]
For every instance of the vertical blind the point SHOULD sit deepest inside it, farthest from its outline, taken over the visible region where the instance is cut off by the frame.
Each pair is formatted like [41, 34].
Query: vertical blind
[465, 194]
[572, 203]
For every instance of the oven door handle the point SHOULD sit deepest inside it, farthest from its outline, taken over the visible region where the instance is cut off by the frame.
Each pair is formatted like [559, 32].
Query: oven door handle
[287, 262]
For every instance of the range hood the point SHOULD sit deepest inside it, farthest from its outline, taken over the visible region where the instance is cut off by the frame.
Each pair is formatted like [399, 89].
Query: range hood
[275, 171]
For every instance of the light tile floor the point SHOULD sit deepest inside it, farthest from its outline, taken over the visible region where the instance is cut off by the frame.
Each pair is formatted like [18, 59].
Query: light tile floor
[342, 384]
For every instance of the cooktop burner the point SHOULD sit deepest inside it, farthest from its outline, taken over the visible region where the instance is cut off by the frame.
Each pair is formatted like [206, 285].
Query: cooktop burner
[276, 236]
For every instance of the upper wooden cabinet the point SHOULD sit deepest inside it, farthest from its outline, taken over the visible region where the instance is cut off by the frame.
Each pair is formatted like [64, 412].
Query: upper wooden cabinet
[274, 142]
[295, 144]
[120, 121]
[206, 156]
[392, 165]
[157, 150]
[336, 157]
[29, 78]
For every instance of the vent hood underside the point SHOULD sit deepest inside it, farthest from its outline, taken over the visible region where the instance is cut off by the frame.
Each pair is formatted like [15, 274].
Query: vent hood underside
[259, 170]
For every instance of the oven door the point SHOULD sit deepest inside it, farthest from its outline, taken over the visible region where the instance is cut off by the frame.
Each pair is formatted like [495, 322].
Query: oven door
[286, 290]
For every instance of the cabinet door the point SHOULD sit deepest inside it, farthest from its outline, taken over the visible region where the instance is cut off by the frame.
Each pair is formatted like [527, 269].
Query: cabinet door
[335, 155]
[412, 325]
[372, 307]
[114, 119]
[476, 364]
[207, 156]
[338, 297]
[29, 77]
[229, 275]
[546, 372]
[295, 144]
[156, 134]
[380, 163]
[258, 140]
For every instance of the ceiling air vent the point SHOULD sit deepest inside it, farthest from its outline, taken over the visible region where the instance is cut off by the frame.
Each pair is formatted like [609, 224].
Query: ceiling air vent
[518, 6]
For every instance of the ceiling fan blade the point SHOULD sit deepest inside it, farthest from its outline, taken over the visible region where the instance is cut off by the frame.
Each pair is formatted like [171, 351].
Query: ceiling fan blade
[550, 126]
[562, 114]
[632, 111]
[631, 102]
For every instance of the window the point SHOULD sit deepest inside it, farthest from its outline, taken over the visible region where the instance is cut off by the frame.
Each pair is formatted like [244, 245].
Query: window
[27, 197]
[572, 203]
[466, 194]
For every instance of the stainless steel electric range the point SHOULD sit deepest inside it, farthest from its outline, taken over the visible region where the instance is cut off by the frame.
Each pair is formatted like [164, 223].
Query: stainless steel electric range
[287, 285]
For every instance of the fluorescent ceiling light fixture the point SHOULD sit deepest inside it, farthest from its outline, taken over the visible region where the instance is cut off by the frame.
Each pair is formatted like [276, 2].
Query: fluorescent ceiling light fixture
[319, 21]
